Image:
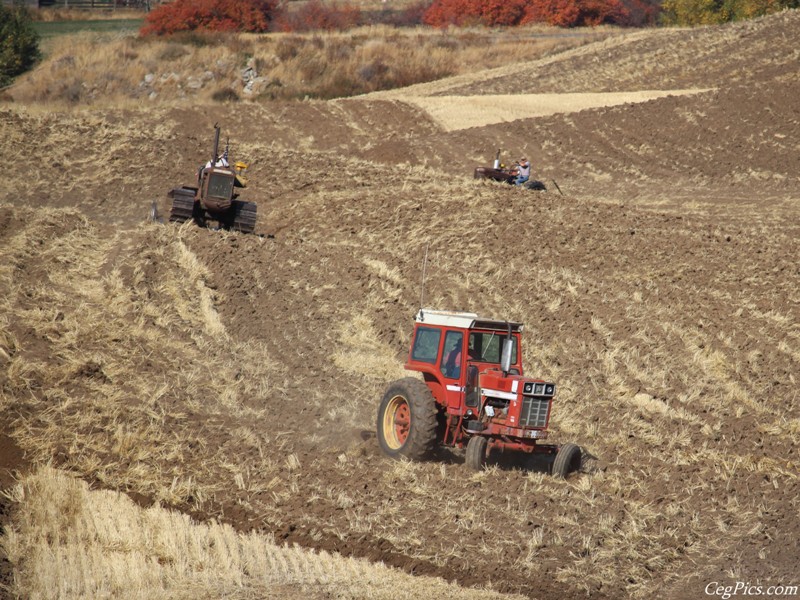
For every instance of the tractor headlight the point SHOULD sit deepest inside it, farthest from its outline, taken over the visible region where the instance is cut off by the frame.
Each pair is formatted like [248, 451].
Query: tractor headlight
[539, 389]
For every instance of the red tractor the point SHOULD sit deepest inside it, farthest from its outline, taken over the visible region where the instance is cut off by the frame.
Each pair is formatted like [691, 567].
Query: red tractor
[472, 394]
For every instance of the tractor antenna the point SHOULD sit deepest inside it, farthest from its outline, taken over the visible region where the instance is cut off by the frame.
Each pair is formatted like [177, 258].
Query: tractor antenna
[424, 266]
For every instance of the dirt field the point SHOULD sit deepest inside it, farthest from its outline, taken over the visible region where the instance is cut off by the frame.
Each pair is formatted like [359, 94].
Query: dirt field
[236, 378]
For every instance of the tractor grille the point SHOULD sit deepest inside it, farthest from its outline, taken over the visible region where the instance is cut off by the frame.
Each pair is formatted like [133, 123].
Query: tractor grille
[534, 411]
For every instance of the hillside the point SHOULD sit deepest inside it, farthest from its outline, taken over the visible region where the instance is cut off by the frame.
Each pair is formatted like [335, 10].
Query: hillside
[236, 378]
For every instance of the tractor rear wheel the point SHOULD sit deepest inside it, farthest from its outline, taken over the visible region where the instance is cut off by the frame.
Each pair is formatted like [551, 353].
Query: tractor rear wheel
[567, 460]
[476, 452]
[407, 420]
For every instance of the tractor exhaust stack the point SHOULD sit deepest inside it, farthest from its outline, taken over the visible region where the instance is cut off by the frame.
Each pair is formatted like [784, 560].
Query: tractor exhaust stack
[508, 346]
[215, 152]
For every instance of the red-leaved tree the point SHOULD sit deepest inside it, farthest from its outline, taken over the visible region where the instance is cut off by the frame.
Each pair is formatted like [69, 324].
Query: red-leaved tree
[450, 12]
[252, 16]
[501, 12]
[572, 13]
[474, 12]
[562, 13]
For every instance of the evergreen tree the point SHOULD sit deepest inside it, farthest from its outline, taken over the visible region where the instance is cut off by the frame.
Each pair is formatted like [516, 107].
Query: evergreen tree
[19, 42]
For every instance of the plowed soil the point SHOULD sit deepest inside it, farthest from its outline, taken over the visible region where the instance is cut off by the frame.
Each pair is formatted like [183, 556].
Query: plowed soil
[237, 377]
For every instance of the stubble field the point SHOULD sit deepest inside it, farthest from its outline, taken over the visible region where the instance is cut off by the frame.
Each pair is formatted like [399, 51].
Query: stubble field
[190, 413]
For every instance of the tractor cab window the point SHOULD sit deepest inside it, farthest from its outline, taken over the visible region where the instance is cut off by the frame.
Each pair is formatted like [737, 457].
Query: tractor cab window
[488, 347]
[451, 357]
[426, 345]
[220, 186]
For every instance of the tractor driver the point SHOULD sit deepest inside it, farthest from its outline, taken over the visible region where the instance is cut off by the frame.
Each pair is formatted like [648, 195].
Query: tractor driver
[451, 366]
[523, 171]
[222, 161]
[451, 363]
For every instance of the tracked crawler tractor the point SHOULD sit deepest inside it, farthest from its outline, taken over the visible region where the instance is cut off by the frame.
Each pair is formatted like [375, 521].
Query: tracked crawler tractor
[214, 198]
[473, 394]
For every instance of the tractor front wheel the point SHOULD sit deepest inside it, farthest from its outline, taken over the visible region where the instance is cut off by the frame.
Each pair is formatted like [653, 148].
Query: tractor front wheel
[476, 452]
[407, 420]
[567, 460]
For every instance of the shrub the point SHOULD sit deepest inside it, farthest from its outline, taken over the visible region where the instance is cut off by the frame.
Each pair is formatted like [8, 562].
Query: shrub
[172, 52]
[641, 12]
[19, 43]
[475, 12]
[703, 12]
[563, 13]
[225, 95]
[443, 13]
[410, 16]
[316, 16]
[573, 13]
[254, 16]
[691, 12]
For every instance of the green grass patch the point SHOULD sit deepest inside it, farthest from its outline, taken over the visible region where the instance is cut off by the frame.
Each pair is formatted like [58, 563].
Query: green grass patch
[55, 28]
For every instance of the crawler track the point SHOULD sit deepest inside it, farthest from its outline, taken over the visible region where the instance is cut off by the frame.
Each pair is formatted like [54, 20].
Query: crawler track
[183, 205]
[244, 216]
[241, 216]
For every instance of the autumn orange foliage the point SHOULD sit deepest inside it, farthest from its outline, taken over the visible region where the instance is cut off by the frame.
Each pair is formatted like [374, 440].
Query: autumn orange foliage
[563, 13]
[253, 16]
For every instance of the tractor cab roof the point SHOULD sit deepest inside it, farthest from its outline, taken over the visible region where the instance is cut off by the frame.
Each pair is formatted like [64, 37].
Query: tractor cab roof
[463, 320]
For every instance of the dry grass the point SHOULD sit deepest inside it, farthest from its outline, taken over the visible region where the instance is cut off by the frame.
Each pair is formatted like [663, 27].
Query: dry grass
[67, 541]
[107, 339]
[461, 112]
[109, 70]
[50, 15]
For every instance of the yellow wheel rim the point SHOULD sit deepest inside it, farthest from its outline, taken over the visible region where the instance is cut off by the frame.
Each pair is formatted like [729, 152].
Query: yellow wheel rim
[396, 422]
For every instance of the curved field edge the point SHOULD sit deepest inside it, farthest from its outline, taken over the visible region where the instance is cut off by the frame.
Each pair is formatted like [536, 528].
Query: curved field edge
[461, 112]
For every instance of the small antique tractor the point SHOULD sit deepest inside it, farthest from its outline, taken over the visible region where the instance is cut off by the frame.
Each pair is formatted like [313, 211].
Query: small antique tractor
[503, 174]
[472, 394]
[213, 198]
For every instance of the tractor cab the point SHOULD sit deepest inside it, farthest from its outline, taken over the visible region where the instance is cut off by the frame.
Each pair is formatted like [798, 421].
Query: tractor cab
[472, 372]
[449, 345]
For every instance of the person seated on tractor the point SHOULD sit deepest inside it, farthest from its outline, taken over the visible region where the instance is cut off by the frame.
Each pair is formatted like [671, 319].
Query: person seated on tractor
[452, 364]
[222, 161]
[523, 171]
